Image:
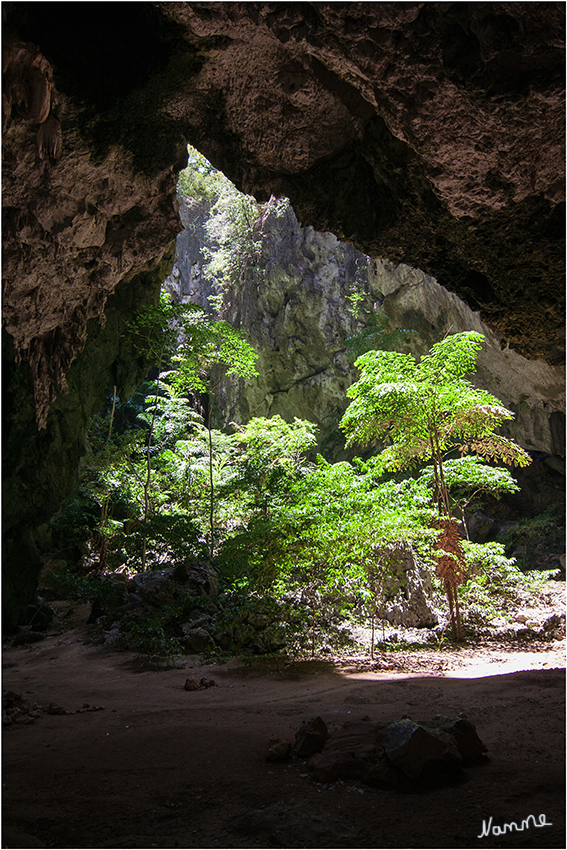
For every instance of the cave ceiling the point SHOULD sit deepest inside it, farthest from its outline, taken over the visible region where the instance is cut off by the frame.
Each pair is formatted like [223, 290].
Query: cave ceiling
[425, 133]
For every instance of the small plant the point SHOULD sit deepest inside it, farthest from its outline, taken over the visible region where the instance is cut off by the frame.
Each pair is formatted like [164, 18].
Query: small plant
[69, 585]
[376, 334]
[150, 638]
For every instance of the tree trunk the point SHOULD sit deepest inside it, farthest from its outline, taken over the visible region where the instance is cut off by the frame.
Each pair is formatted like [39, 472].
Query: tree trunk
[211, 486]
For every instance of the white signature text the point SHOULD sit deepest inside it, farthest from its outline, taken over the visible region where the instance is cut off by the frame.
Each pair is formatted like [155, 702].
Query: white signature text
[487, 828]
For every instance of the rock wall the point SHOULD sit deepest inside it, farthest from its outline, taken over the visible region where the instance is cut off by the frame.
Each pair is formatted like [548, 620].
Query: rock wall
[296, 312]
[425, 133]
[41, 468]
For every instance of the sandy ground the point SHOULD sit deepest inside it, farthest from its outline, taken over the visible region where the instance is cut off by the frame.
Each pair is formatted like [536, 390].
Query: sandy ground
[164, 767]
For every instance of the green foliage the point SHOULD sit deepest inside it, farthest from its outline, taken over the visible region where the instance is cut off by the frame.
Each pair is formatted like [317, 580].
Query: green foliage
[74, 523]
[235, 240]
[495, 586]
[273, 447]
[468, 476]
[199, 180]
[150, 638]
[69, 585]
[427, 408]
[206, 343]
[324, 537]
[468, 479]
[235, 223]
[235, 236]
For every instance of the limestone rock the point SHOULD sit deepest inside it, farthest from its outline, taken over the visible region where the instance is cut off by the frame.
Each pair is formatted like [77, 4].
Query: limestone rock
[197, 640]
[278, 750]
[54, 708]
[409, 746]
[464, 734]
[164, 587]
[310, 738]
[353, 752]
[479, 526]
[407, 592]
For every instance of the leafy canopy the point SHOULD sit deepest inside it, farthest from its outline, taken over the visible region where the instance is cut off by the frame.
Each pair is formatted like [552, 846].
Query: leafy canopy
[425, 409]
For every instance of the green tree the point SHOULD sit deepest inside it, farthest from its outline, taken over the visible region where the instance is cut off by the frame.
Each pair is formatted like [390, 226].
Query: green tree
[468, 479]
[186, 337]
[425, 410]
[274, 449]
[209, 350]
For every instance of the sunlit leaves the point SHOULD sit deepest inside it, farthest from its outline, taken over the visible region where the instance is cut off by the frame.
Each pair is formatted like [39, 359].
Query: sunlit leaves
[428, 407]
[424, 410]
[206, 343]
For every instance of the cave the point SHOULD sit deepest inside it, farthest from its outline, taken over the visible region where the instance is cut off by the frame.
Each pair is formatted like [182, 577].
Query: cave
[424, 134]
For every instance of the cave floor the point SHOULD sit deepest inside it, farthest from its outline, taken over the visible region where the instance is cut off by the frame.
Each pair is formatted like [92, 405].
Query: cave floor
[163, 767]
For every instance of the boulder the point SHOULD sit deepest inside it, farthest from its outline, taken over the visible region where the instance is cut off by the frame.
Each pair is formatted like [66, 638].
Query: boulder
[409, 746]
[407, 592]
[554, 627]
[198, 577]
[157, 587]
[353, 752]
[479, 526]
[278, 750]
[463, 733]
[310, 738]
[165, 586]
[197, 640]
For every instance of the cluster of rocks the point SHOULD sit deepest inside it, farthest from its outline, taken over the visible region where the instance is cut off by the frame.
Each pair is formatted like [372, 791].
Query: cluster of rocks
[553, 628]
[205, 627]
[16, 708]
[404, 754]
[182, 601]
[195, 684]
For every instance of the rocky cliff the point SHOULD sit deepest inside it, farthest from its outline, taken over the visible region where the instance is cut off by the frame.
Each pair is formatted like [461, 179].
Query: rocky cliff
[423, 133]
[296, 311]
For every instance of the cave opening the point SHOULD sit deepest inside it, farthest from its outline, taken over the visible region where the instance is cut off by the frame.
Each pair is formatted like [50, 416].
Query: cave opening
[192, 603]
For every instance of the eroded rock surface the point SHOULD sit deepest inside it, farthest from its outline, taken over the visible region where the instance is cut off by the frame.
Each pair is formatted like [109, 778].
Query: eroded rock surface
[405, 753]
[423, 133]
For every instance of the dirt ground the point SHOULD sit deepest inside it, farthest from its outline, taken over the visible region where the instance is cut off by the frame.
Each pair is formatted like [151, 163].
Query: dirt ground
[163, 767]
